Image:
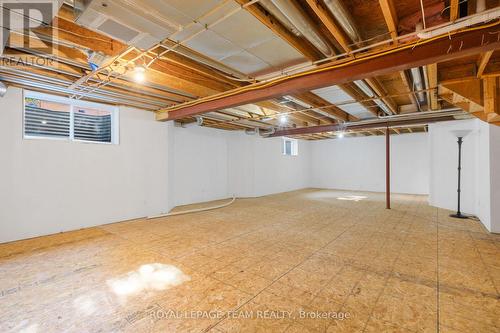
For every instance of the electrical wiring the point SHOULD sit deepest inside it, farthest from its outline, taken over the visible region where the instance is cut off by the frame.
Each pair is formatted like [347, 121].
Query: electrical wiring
[265, 84]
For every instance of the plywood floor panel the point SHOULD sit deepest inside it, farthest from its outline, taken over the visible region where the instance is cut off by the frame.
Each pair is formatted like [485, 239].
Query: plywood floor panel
[268, 264]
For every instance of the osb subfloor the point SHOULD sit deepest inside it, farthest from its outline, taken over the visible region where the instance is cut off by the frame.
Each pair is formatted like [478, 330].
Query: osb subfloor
[304, 261]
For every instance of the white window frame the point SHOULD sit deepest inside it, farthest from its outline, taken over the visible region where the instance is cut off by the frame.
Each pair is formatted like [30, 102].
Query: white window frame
[294, 146]
[73, 103]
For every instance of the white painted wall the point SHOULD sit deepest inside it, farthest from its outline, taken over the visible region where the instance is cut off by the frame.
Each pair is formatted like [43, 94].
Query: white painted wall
[359, 163]
[48, 186]
[494, 179]
[480, 161]
[200, 165]
[214, 164]
[258, 167]
[444, 162]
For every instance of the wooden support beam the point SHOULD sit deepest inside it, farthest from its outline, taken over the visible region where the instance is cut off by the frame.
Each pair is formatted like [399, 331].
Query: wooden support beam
[316, 101]
[325, 17]
[300, 44]
[408, 85]
[491, 107]
[454, 8]
[380, 91]
[484, 58]
[432, 78]
[462, 44]
[390, 16]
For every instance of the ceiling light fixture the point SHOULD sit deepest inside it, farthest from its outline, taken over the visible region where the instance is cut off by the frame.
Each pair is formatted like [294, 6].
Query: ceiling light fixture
[139, 74]
[283, 119]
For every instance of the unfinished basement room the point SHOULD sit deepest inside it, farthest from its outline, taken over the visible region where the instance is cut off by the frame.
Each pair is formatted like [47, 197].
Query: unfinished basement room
[225, 166]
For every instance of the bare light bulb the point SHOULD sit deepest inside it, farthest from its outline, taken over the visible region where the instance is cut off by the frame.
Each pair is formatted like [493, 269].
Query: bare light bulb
[139, 74]
[283, 119]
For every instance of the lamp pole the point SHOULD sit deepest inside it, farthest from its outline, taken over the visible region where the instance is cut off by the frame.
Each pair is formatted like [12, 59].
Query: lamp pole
[459, 213]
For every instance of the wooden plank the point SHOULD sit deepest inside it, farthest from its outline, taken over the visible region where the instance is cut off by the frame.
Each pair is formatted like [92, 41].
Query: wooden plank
[454, 7]
[300, 44]
[484, 58]
[490, 92]
[432, 77]
[316, 101]
[337, 32]
[426, 52]
[380, 91]
[390, 16]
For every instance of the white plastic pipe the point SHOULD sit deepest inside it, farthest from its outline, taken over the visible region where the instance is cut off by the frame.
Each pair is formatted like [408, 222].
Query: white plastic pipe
[486, 16]
[193, 210]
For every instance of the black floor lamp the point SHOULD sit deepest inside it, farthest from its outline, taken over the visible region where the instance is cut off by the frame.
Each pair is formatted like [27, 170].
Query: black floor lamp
[460, 134]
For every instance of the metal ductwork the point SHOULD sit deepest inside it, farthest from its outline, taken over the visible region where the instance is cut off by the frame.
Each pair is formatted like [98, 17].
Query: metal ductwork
[251, 131]
[418, 83]
[267, 132]
[198, 122]
[369, 92]
[3, 89]
[344, 19]
[288, 14]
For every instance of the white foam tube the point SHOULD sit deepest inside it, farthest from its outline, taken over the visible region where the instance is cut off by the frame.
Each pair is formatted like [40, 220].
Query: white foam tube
[193, 210]
[297, 18]
[3, 89]
[486, 16]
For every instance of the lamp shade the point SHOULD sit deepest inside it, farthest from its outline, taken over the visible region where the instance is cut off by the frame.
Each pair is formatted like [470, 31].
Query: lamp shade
[461, 133]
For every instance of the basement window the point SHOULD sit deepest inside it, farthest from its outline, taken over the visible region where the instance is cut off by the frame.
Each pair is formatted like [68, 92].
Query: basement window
[290, 147]
[53, 117]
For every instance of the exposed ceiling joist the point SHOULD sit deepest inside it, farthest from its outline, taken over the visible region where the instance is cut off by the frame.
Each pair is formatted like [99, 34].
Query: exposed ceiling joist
[390, 16]
[484, 58]
[432, 77]
[426, 52]
[454, 8]
[491, 101]
[337, 32]
[300, 44]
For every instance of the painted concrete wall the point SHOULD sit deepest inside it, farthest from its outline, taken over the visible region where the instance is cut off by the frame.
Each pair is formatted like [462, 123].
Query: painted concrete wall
[480, 194]
[495, 179]
[200, 165]
[258, 167]
[213, 164]
[48, 186]
[359, 163]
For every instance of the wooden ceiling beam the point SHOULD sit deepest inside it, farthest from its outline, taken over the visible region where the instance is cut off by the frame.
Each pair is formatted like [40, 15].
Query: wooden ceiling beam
[454, 8]
[484, 58]
[325, 18]
[382, 93]
[390, 16]
[357, 95]
[462, 44]
[318, 102]
[491, 101]
[300, 44]
[408, 85]
[432, 78]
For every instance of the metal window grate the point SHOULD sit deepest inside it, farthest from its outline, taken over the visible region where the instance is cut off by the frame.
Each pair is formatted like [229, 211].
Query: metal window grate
[92, 127]
[46, 123]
